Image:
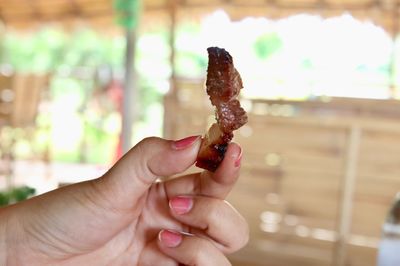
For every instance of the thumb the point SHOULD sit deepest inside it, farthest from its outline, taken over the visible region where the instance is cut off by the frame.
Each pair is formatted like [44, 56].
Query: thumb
[128, 180]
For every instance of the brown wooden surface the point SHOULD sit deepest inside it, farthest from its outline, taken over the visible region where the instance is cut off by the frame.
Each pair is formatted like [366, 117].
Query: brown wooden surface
[28, 91]
[26, 13]
[293, 176]
[20, 96]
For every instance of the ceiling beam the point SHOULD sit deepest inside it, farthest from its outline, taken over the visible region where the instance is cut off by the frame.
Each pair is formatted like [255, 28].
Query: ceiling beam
[24, 18]
[277, 4]
[35, 10]
[75, 7]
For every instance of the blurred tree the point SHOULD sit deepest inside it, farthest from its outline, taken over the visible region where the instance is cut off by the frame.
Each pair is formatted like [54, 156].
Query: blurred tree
[15, 195]
[267, 44]
[127, 12]
[73, 60]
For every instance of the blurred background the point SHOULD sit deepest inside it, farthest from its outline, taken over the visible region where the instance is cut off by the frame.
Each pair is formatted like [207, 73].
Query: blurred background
[81, 81]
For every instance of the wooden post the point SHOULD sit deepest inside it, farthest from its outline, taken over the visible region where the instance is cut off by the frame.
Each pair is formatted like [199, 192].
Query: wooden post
[394, 32]
[170, 99]
[346, 207]
[129, 99]
[172, 38]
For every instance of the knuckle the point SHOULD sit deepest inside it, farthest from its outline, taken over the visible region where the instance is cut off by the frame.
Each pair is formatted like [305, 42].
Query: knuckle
[147, 141]
[145, 148]
[158, 154]
[246, 234]
[243, 234]
[204, 252]
[198, 257]
[177, 167]
[212, 215]
[216, 209]
[227, 263]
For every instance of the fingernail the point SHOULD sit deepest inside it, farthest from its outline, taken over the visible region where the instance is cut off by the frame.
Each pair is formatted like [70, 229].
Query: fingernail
[170, 238]
[181, 205]
[238, 158]
[184, 143]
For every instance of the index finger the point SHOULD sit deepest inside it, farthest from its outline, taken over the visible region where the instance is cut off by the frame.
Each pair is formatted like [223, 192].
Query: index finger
[206, 183]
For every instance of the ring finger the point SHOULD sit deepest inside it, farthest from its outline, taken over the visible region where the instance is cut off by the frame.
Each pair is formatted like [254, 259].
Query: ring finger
[190, 250]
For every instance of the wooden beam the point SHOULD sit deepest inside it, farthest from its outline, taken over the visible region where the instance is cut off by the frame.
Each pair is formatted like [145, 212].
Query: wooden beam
[346, 204]
[129, 95]
[277, 4]
[75, 7]
[2, 17]
[172, 93]
[172, 39]
[35, 9]
[24, 18]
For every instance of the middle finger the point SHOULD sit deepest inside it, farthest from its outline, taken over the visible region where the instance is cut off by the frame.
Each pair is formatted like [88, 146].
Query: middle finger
[207, 214]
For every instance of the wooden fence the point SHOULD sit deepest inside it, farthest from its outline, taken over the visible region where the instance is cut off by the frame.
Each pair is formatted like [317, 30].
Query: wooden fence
[317, 179]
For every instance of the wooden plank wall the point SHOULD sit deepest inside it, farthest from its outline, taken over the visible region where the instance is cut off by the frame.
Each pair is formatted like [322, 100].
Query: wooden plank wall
[317, 180]
[20, 95]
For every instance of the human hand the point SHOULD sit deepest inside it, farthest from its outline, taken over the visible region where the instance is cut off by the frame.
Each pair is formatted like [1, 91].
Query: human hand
[126, 218]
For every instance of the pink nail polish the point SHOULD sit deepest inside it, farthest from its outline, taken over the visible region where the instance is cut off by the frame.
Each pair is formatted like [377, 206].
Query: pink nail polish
[239, 159]
[184, 143]
[181, 205]
[170, 238]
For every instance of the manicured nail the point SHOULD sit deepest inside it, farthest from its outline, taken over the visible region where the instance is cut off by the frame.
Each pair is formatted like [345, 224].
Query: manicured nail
[170, 238]
[239, 158]
[181, 205]
[184, 143]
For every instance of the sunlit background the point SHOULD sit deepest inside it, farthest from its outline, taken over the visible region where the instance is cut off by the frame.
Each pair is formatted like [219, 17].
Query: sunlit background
[321, 85]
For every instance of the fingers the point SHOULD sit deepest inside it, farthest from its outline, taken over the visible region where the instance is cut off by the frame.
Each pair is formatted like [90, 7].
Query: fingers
[214, 218]
[190, 250]
[152, 256]
[216, 185]
[220, 183]
[143, 164]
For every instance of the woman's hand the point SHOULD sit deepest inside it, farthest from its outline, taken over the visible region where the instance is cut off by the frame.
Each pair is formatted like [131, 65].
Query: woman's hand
[127, 218]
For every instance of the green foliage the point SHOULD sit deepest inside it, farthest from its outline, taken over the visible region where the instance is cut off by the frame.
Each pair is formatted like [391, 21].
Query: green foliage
[127, 12]
[49, 48]
[189, 63]
[307, 63]
[148, 95]
[79, 127]
[152, 66]
[72, 59]
[267, 44]
[33, 53]
[15, 195]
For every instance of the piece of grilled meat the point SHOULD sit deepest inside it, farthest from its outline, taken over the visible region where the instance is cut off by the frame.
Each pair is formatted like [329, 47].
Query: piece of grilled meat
[223, 85]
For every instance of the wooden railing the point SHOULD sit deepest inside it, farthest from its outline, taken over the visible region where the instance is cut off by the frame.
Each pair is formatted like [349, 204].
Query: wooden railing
[317, 179]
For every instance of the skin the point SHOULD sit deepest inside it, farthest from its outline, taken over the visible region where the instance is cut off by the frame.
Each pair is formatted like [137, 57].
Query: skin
[121, 218]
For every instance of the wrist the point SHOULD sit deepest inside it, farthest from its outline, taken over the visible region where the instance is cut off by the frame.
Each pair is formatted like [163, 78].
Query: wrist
[8, 241]
[3, 236]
